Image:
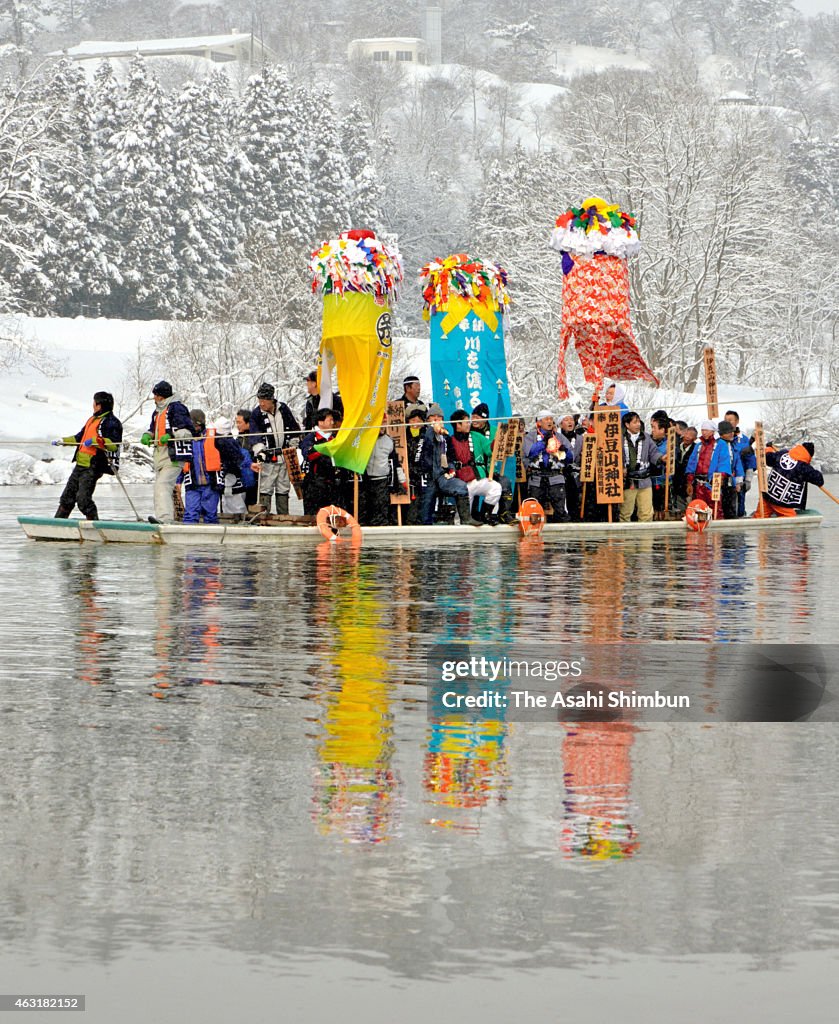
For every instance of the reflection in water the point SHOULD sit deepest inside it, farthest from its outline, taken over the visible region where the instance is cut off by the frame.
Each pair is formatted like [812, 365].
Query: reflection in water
[597, 805]
[465, 766]
[99, 621]
[136, 829]
[355, 785]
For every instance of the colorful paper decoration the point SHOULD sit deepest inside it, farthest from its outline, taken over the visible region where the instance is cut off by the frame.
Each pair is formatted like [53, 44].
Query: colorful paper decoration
[357, 261]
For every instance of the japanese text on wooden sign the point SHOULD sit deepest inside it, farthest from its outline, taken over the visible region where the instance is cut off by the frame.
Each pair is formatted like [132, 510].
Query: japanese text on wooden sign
[396, 430]
[711, 384]
[760, 456]
[607, 431]
[587, 459]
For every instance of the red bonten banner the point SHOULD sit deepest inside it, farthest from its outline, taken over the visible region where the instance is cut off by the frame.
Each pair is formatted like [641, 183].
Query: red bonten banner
[595, 317]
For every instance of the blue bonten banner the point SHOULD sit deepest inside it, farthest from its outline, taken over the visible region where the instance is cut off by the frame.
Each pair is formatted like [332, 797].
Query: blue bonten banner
[468, 366]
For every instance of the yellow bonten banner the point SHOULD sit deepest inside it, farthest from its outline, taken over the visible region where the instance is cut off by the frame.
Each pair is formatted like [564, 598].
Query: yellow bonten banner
[355, 350]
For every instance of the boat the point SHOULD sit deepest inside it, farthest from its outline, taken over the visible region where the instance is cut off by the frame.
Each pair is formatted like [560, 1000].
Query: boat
[105, 531]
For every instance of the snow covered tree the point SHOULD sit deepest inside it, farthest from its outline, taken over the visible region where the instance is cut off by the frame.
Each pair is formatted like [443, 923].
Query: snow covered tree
[701, 180]
[20, 23]
[75, 267]
[139, 187]
[329, 170]
[272, 139]
[359, 145]
[206, 234]
[512, 215]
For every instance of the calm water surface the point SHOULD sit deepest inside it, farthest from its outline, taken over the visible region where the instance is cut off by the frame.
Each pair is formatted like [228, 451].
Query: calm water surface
[221, 798]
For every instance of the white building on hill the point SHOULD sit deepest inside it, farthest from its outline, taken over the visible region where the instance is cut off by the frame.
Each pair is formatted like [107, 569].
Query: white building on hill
[243, 47]
[389, 50]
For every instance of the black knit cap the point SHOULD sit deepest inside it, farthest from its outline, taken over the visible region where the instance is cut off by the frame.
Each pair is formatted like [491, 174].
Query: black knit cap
[810, 447]
[163, 388]
[481, 410]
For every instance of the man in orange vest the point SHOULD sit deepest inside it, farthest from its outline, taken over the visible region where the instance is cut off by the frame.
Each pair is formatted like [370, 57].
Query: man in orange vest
[206, 459]
[97, 453]
[169, 420]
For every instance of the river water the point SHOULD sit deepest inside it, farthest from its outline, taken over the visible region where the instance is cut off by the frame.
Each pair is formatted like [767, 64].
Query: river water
[222, 800]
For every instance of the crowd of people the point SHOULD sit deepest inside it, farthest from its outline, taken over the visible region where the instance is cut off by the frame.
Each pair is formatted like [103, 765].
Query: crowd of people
[244, 472]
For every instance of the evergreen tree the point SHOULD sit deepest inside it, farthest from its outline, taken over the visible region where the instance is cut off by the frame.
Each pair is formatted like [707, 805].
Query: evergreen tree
[141, 193]
[74, 265]
[205, 233]
[273, 143]
[329, 170]
[365, 190]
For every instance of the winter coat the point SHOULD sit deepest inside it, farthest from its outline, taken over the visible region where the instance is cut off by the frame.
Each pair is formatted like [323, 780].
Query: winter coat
[726, 459]
[542, 463]
[657, 474]
[177, 425]
[476, 466]
[384, 463]
[262, 435]
[683, 454]
[416, 442]
[312, 406]
[195, 456]
[104, 458]
[436, 461]
[789, 473]
[746, 452]
[316, 464]
[701, 450]
[638, 456]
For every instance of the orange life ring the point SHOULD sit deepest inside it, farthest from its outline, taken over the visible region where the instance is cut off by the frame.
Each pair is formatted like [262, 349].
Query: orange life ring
[697, 515]
[334, 524]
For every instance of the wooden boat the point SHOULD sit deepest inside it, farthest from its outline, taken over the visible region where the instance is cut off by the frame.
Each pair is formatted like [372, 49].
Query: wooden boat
[106, 531]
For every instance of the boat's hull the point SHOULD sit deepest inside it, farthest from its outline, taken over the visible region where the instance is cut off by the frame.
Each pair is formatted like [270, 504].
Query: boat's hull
[123, 532]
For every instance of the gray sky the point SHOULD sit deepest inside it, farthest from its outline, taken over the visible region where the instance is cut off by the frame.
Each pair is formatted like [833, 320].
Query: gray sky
[817, 6]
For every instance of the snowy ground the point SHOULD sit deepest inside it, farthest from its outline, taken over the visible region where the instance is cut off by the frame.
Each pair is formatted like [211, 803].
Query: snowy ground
[92, 355]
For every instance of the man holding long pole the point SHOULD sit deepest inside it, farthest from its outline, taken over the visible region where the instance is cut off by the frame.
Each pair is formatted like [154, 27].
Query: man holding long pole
[97, 453]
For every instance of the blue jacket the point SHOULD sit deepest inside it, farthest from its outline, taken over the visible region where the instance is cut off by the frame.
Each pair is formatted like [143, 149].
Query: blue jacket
[726, 459]
[657, 473]
[744, 449]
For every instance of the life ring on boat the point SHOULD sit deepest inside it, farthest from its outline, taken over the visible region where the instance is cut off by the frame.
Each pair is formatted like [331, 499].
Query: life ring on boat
[334, 523]
[697, 515]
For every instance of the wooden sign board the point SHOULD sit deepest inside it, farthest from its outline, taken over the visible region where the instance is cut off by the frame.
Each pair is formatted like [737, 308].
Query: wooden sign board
[588, 459]
[716, 487]
[711, 384]
[500, 446]
[521, 469]
[760, 456]
[670, 456]
[512, 440]
[397, 431]
[295, 473]
[609, 440]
